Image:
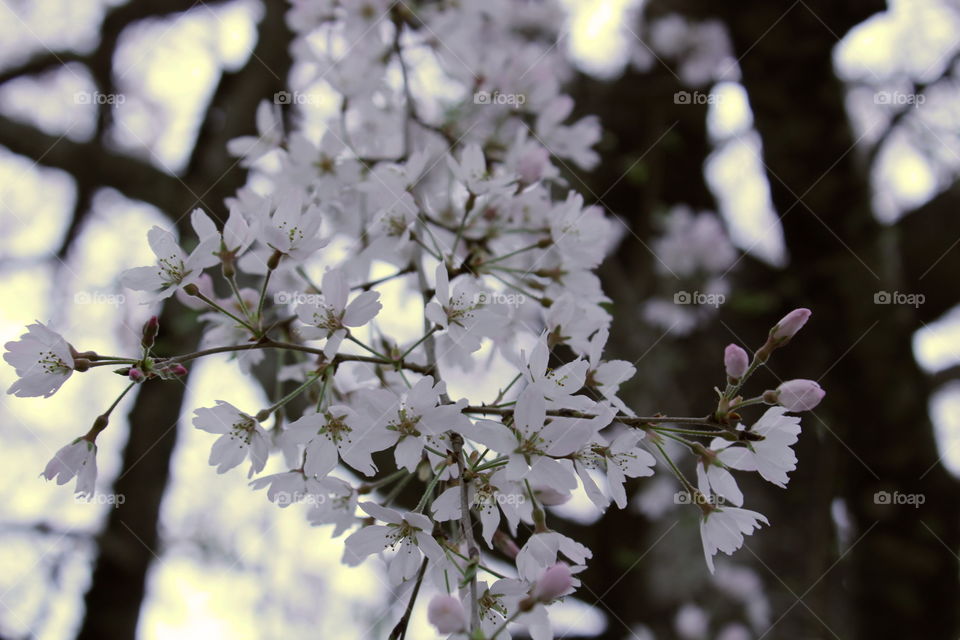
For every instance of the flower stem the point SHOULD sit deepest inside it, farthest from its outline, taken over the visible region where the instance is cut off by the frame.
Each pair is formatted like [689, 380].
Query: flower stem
[634, 421]
[397, 488]
[732, 389]
[748, 403]
[426, 493]
[217, 307]
[530, 247]
[501, 628]
[467, 210]
[357, 342]
[686, 432]
[683, 480]
[376, 484]
[313, 377]
[366, 286]
[274, 344]
[232, 280]
[479, 566]
[263, 288]
[419, 342]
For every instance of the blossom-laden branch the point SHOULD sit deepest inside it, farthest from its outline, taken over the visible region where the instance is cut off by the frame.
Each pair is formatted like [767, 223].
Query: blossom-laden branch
[463, 192]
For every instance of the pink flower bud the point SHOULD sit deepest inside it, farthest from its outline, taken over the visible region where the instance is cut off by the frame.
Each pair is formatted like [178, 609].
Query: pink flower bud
[800, 395]
[150, 329]
[505, 544]
[446, 613]
[553, 583]
[789, 325]
[178, 370]
[736, 361]
[135, 374]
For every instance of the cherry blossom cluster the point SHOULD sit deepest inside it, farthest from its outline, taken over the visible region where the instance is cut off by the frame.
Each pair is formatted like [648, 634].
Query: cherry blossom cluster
[461, 202]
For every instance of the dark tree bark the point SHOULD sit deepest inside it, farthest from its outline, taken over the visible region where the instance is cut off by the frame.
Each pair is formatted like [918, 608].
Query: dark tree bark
[653, 153]
[873, 433]
[129, 542]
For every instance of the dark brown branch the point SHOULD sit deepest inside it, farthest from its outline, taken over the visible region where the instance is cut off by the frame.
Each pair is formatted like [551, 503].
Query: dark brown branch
[132, 177]
[41, 63]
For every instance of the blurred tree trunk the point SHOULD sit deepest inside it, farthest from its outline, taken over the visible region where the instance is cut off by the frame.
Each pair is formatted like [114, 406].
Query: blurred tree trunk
[901, 579]
[873, 432]
[653, 152]
[129, 542]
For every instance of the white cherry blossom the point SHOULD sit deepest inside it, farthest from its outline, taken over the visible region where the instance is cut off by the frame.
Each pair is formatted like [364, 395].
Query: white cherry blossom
[414, 419]
[621, 459]
[77, 459]
[174, 268]
[723, 529]
[336, 432]
[772, 457]
[409, 534]
[241, 436]
[332, 318]
[42, 359]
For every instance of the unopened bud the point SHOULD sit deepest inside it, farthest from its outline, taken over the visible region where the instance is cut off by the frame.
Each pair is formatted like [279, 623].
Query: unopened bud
[736, 361]
[505, 544]
[800, 395]
[177, 370]
[135, 375]
[789, 325]
[150, 329]
[446, 613]
[554, 582]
